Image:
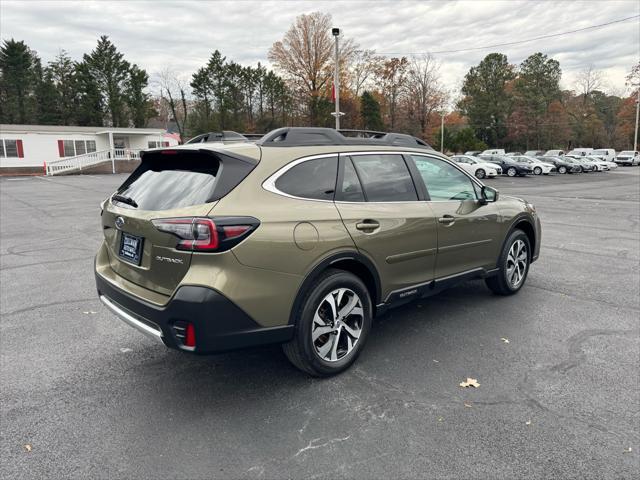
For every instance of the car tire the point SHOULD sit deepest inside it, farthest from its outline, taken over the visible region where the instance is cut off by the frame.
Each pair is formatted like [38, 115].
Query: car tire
[511, 172]
[512, 265]
[318, 328]
[480, 173]
[562, 170]
[537, 171]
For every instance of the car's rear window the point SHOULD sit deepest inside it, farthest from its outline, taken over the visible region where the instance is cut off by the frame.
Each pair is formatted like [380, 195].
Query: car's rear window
[167, 181]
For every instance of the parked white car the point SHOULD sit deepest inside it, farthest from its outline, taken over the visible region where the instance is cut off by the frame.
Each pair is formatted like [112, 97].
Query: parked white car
[554, 153]
[628, 157]
[580, 152]
[533, 153]
[603, 165]
[476, 166]
[608, 154]
[587, 165]
[539, 167]
[494, 151]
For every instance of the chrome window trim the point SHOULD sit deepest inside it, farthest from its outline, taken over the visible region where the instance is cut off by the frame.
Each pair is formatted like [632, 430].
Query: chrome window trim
[270, 183]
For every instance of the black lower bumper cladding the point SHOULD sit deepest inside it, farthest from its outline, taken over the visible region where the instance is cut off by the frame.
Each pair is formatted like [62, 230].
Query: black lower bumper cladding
[219, 324]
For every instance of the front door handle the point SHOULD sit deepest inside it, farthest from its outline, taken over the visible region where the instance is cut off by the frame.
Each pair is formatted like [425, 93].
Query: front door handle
[367, 225]
[447, 219]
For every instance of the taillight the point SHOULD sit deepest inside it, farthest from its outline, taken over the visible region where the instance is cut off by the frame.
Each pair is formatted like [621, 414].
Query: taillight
[206, 234]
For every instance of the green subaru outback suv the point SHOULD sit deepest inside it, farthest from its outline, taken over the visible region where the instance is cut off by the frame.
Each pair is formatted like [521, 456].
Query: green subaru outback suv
[300, 239]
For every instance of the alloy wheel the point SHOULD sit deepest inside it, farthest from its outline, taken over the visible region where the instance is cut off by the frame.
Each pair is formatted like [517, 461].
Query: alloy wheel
[480, 173]
[517, 263]
[537, 170]
[511, 172]
[337, 324]
[562, 170]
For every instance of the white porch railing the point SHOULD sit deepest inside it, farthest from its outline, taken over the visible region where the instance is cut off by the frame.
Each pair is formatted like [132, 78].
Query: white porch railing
[77, 163]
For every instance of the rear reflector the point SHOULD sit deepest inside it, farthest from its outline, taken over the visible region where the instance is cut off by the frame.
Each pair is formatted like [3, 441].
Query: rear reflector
[190, 336]
[169, 152]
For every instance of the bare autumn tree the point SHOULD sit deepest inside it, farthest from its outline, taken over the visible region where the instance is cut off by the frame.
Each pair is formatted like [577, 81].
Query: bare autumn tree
[173, 92]
[391, 75]
[425, 92]
[587, 81]
[361, 70]
[305, 57]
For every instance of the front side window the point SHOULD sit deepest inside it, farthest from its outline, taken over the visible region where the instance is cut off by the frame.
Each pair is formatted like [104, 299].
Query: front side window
[313, 179]
[444, 182]
[385, 178]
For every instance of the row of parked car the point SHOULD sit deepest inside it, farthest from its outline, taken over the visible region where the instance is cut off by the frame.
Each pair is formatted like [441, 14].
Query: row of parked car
[491, 163]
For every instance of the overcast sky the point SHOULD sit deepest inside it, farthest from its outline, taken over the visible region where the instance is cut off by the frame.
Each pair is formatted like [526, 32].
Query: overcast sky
[182, 34]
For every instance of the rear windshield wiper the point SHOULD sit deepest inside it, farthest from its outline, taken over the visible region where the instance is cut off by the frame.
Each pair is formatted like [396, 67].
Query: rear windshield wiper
[128, 200]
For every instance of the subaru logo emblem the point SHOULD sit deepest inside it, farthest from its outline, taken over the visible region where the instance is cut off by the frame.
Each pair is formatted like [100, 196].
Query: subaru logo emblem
[119, 223]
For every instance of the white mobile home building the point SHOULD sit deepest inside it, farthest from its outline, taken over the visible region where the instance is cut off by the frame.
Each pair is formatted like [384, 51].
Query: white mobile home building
[28, 148]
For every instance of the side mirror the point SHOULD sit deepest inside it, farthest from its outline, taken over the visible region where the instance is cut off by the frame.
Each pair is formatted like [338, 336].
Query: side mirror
[488, 195]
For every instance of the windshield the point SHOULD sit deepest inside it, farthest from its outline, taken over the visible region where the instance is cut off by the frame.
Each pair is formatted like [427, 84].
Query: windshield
[599, 152]
[626, 153]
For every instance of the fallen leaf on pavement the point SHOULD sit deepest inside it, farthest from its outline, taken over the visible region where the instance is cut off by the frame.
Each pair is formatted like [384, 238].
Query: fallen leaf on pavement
[528, 422]
[125, 350]
[28, 447]
[628, 450]
[468, 405]
[470, 382]
[440, 419]
[435, 361]
[89, 312]
[504, 340]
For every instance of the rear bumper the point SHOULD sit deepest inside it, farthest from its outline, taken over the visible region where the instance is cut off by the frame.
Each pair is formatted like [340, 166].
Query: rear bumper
[219, 324]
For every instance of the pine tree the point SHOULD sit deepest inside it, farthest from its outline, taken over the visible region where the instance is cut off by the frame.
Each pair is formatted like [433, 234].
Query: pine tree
[110, 72]
[18, 80]
[370, 112]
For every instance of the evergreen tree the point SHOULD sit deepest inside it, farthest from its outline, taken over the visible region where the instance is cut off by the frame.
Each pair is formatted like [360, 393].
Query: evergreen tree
[487, 101]
[18, 79]
[139, 103]
[370, 112]
[62, 73]
[110, 71]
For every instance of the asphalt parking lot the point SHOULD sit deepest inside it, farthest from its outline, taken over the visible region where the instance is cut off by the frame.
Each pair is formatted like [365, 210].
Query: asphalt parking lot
[90, 397]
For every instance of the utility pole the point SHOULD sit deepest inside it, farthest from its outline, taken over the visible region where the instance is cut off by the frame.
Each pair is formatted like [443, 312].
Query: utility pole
[336, 79]
[442, 132]
[635, 137]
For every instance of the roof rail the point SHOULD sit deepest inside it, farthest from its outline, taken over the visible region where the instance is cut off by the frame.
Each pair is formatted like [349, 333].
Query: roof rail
[225, 136]
[315, 136]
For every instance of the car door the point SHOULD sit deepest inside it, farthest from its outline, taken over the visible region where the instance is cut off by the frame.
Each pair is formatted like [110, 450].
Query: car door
[384, 214]
[469, 231]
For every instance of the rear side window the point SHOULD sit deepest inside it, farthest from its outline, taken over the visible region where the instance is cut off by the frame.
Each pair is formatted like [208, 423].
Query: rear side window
[313, 179]
[385, 178]
[164, 182]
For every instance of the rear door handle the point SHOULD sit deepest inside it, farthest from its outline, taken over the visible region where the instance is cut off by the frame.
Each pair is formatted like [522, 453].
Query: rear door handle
[447, 219]
[367, 225]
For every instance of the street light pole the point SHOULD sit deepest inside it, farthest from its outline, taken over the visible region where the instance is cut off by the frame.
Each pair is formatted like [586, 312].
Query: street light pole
[635, 137]
[336, 78]
[442, 132]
